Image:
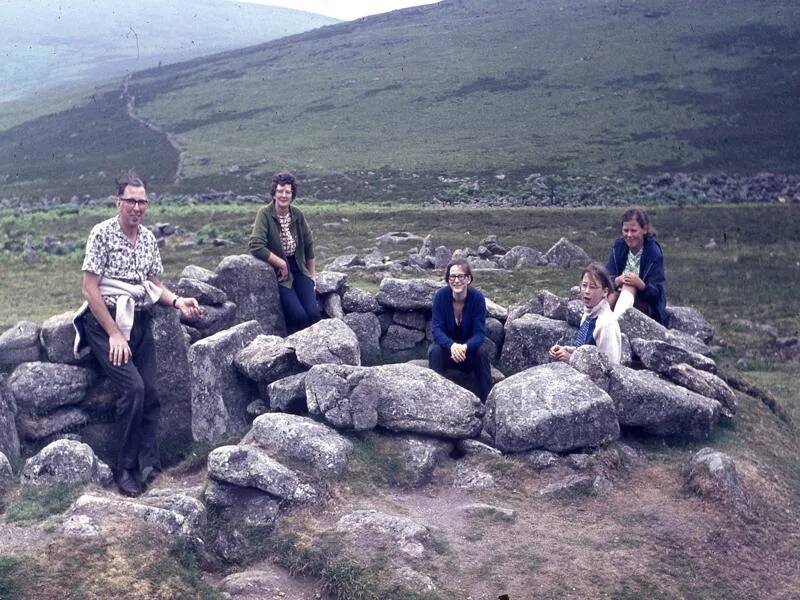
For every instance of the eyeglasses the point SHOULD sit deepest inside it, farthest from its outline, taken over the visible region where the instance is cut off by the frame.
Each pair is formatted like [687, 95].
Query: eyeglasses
[459, 277]
[131, 202]
[587, 286]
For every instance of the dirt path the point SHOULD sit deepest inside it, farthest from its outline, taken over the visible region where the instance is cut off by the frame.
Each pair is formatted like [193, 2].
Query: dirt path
[130, 107]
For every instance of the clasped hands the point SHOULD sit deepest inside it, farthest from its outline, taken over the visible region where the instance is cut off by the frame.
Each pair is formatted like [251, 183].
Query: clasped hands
[458, 352]
[631, 279]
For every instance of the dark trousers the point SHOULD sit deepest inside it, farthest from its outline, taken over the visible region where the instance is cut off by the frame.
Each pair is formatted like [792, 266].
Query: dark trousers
[476, 363]
[299, 302]
[138, 407]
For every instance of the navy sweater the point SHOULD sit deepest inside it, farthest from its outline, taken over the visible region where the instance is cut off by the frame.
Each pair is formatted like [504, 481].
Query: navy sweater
[651, 271]
[473, 319]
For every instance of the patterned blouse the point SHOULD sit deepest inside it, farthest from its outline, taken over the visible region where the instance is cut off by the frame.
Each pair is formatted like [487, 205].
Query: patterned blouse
[633, 262]
[287, 241]
[110, 254]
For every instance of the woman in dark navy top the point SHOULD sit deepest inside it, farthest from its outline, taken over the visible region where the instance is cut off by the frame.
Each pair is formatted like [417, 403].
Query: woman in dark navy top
[636, 265]
[459, 328]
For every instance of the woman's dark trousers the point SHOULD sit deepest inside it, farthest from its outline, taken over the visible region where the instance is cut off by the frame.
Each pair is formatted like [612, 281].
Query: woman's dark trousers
[138, 407]
[299, 302]
[476, 363]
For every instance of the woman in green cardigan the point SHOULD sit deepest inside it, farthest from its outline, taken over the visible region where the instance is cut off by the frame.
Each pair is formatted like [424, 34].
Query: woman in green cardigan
[282, 238]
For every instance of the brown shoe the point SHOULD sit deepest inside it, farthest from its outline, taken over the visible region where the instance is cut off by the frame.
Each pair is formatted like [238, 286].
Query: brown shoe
[128, 484]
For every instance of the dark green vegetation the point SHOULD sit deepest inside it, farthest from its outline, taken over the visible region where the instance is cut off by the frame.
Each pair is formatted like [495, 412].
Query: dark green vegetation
[470, 87]
[35, 503]
[48, 43]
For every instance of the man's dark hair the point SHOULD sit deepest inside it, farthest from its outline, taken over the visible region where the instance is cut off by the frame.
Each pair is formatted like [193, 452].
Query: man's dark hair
[130, 178]
[282, 178]
[458, 262]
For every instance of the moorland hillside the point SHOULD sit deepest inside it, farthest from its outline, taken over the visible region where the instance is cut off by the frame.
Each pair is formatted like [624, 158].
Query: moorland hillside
[498, 87]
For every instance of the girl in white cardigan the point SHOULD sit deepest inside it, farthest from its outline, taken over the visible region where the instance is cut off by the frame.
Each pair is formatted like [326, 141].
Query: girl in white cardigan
[598, 324]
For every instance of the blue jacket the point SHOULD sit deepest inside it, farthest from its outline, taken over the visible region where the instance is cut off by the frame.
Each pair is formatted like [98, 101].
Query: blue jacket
[651, 271]
[473, 319]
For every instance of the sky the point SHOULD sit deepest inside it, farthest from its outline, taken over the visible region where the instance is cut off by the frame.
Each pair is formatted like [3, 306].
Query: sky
[346, 10]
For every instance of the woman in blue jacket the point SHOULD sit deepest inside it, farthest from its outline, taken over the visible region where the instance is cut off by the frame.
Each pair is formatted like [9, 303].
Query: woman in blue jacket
[636, 266]
[459, 328]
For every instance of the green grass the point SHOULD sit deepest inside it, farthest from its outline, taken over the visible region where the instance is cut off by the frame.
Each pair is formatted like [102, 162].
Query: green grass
[15, 574]
[32, 504]
[390, 104]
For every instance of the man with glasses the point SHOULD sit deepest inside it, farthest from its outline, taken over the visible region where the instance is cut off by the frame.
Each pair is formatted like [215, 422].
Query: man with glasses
[121, 282]
[459, 328]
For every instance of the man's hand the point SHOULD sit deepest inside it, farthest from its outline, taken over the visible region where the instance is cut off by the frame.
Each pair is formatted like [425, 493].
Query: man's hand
[281, 268]
[119, 352]
[458, 352]
[559, 353]
[189, 307]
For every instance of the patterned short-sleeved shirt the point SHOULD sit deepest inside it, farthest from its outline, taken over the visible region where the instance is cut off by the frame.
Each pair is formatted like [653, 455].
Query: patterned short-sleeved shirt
[110, 254]
[633, 262]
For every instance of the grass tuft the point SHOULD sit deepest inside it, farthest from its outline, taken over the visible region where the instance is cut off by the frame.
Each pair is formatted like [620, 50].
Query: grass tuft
[33, 504]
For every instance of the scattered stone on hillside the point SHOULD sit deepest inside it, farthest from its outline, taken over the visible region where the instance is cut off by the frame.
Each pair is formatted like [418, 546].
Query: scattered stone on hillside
[550, 407]
[303, 441]
[495, 331]
[237, 515]
[489, 511]
[213, 320]
[531, 307]
[9, 438]
[356, 300]
[520, 257]
[267, 359]
[40, 388]
[528, 340]
[175, 515]
[60, 420]
[636, 324]
[367, 328]
[199, 274]
[571, 486]
[688, 342]
[57, 337]
[660, 356]
[398, 337]
[330, 282]
[398, 397]
[442, 256]
[706, 384]
[469, 475]
[402, 533]
[288, 394]
[173, 377]
[756, 327]
[711, 473]
[412, 319]
[65, 462]
[332, 306]
[335, 393]
[553, 307]
[398, 237]
[20, 344]
[220, 394]
[541, 459]
[574, 313]
[691, 321]
[346, 261]
[250, 466]
[645, 401]
[407, 294]
[476, 448]
[329, 341]
[417, 456]
[203, 292]
[268, 581]
[6, 473]
[566, 255]
[590, 361]
[495, 311]
[252, 285]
